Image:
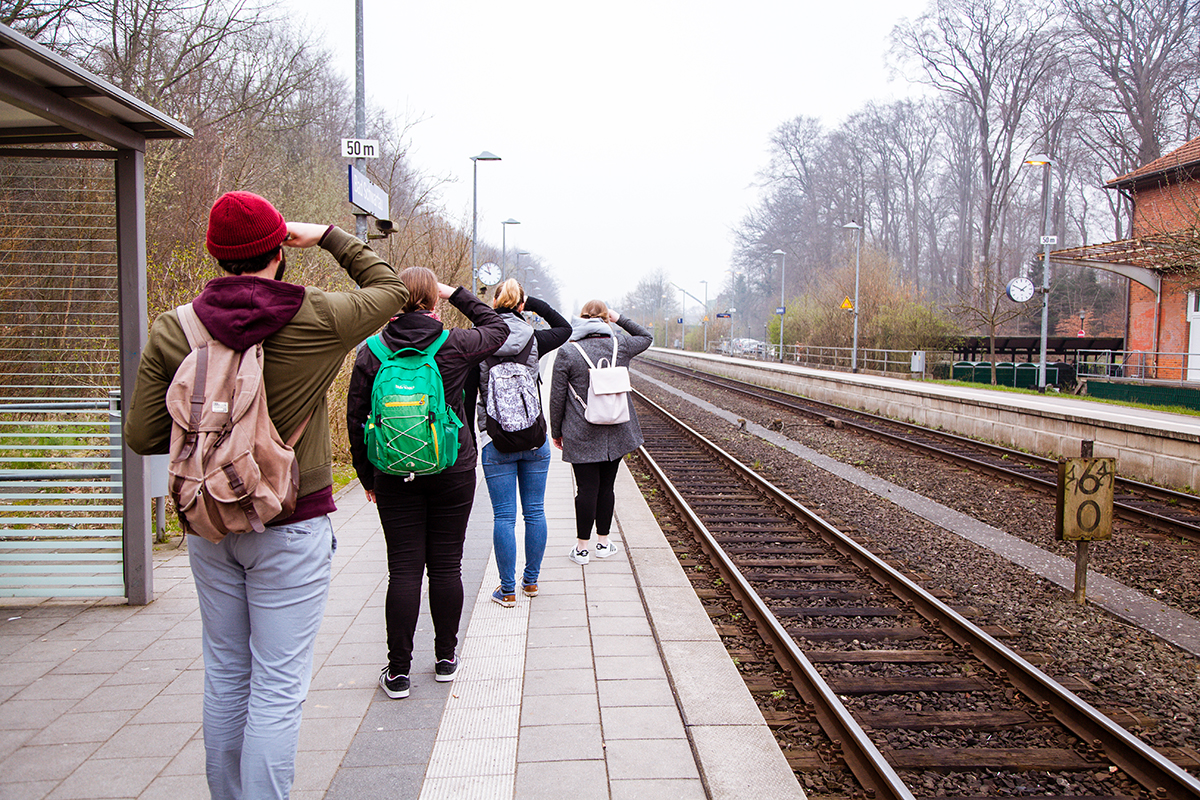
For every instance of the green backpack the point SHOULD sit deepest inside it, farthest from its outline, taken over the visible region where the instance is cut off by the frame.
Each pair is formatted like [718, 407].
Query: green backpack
[410, 431]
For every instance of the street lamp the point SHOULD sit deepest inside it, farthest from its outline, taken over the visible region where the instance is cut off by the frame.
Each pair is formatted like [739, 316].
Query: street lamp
[525, 274]
[782, 308]
[1042, 160]
[704, 319]
[504, 244]
[484, 156]
[854, 226]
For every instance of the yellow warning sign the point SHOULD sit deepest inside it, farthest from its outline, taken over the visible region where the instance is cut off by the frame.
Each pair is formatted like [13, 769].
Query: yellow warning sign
[846, 304]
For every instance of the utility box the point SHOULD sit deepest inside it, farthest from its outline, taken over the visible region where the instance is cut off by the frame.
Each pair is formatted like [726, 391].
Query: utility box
[917, 365]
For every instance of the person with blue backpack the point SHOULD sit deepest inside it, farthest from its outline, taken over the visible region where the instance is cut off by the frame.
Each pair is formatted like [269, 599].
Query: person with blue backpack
[416, 460]
[512, 431]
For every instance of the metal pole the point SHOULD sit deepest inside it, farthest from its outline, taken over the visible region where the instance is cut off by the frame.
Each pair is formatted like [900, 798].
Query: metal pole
[704, 319]
[360, 105]
[782, 303]
[857, 254]
[474, 219]
[1045, 275]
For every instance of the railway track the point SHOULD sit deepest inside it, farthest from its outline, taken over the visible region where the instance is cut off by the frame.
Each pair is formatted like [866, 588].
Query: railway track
[1165, 510]
[901, 684]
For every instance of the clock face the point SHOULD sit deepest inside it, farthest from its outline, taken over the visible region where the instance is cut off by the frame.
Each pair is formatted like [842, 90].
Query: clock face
[490, 274]
[1020, 290]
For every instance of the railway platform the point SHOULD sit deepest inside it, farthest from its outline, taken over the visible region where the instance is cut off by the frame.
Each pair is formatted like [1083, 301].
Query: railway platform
[611, 683]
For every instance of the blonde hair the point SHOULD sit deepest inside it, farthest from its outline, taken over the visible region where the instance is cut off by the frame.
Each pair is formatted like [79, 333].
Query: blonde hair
[594, 309]
[508, 295]
[422, 289]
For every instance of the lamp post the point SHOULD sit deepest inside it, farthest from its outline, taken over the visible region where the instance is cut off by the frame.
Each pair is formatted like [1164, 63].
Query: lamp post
[854, 226]
[1041, 160]
[525, 274]
[704, 319]
[504, 244]
[782, 308]
[484, 156]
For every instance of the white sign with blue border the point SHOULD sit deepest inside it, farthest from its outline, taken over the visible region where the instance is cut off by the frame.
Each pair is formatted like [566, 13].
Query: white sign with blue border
[367, 196]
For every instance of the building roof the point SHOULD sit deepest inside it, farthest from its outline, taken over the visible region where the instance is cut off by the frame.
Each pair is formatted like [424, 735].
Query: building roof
[46, 99]
[1161, 252]
[1184, 159]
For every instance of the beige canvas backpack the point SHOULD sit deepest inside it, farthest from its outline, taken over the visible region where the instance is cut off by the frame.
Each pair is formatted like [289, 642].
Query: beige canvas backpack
[230, 472]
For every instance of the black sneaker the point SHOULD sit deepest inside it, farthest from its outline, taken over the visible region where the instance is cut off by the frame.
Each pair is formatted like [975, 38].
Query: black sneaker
[394, 687]
[446, 669]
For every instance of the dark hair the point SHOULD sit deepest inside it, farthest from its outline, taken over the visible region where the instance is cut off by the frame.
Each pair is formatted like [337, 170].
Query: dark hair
[250, 265]
[422, 289]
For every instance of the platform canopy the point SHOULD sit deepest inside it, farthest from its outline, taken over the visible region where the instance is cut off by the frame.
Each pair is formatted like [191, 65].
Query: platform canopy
[1143, 259]
[51, 108]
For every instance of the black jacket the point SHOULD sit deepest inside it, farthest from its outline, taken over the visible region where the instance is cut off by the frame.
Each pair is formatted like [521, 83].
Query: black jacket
[457, 358]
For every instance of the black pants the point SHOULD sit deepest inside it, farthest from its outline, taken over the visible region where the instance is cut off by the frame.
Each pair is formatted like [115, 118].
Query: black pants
[594, 497]
[424, 525]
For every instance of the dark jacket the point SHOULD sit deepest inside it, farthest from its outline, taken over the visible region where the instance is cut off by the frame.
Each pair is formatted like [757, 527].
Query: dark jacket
[519, 331]
[458, 357]
[305, 333]
[583, 442]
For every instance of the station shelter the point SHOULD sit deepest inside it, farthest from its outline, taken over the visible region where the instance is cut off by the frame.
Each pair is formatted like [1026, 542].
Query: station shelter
[74, 500]
[1161, 259]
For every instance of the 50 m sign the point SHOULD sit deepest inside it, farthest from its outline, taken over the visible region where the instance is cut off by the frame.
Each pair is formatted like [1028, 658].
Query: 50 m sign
[1085, 499]
[360, 148]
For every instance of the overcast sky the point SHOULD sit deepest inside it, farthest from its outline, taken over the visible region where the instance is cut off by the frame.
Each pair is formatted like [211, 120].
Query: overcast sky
[631, 132]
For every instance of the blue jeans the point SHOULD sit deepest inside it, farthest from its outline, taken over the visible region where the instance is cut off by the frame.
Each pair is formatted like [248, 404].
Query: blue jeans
[262, 596]
[505, 472]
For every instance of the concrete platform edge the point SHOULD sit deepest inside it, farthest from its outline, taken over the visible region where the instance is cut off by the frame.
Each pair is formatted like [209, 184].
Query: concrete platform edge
[735, 750]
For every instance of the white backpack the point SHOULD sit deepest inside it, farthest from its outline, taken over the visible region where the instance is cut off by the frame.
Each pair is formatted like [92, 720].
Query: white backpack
[608, 390]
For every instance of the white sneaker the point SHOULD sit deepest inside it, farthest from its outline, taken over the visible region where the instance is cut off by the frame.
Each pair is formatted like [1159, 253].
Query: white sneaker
[606, 550]
[578, 556]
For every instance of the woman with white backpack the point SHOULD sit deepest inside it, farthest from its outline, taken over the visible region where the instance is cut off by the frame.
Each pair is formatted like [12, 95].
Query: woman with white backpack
[593, 434]
[512, 435]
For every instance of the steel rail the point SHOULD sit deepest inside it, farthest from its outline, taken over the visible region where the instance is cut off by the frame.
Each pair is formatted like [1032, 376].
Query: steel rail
[1163, 778]
[1129, 513]
[860, 754]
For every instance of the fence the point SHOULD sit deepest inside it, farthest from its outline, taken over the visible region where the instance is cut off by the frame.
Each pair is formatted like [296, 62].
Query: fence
[1133, 365]
[61, 499]
[884, 362]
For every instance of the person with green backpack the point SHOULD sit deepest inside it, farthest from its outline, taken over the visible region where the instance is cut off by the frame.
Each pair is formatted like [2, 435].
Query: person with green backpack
[413, 451]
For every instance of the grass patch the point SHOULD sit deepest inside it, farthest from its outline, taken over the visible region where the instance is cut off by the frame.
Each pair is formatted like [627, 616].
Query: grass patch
[1191, 412]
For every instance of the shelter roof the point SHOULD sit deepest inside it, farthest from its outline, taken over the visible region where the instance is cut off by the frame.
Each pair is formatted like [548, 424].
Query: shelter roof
[46, 99]
[1184, 160]
[1160, 252]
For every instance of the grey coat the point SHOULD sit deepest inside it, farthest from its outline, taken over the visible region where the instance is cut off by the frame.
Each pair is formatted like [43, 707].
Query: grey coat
[582, 441]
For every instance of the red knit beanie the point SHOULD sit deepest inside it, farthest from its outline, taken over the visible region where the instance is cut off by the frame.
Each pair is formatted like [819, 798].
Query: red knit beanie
[243, 225]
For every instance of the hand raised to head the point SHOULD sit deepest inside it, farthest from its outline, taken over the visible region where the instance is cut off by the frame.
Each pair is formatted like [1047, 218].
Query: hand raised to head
[304, 234]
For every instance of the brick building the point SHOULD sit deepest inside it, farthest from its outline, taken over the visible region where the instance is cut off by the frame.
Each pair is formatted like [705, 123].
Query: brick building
[1161, 260]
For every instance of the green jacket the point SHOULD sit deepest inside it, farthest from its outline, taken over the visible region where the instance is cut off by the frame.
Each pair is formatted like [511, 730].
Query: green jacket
[305, 332]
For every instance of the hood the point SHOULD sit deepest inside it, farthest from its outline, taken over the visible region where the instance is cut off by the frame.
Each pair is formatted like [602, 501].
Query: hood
[414, 329]
[581, 328]
[240, 311]
[519, 332]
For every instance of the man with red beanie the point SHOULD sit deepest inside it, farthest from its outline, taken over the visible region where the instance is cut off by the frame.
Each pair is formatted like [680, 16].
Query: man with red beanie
[262, 595]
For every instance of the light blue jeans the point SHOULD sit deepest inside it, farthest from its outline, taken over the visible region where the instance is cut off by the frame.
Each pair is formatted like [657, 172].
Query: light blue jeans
[505, 473]
[262, 596]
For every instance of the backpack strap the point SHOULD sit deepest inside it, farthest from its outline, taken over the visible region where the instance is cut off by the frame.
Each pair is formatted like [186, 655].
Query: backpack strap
[193, 328]
[198, 338]
[382, 352]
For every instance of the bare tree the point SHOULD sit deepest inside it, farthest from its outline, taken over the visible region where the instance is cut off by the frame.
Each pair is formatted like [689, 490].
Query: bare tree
[994, 56]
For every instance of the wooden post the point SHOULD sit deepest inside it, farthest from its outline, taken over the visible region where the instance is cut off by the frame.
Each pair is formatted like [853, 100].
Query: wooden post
[1082, 548]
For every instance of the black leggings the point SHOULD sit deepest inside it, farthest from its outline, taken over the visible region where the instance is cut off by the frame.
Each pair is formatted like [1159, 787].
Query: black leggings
[424, 525]
[594, 497]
